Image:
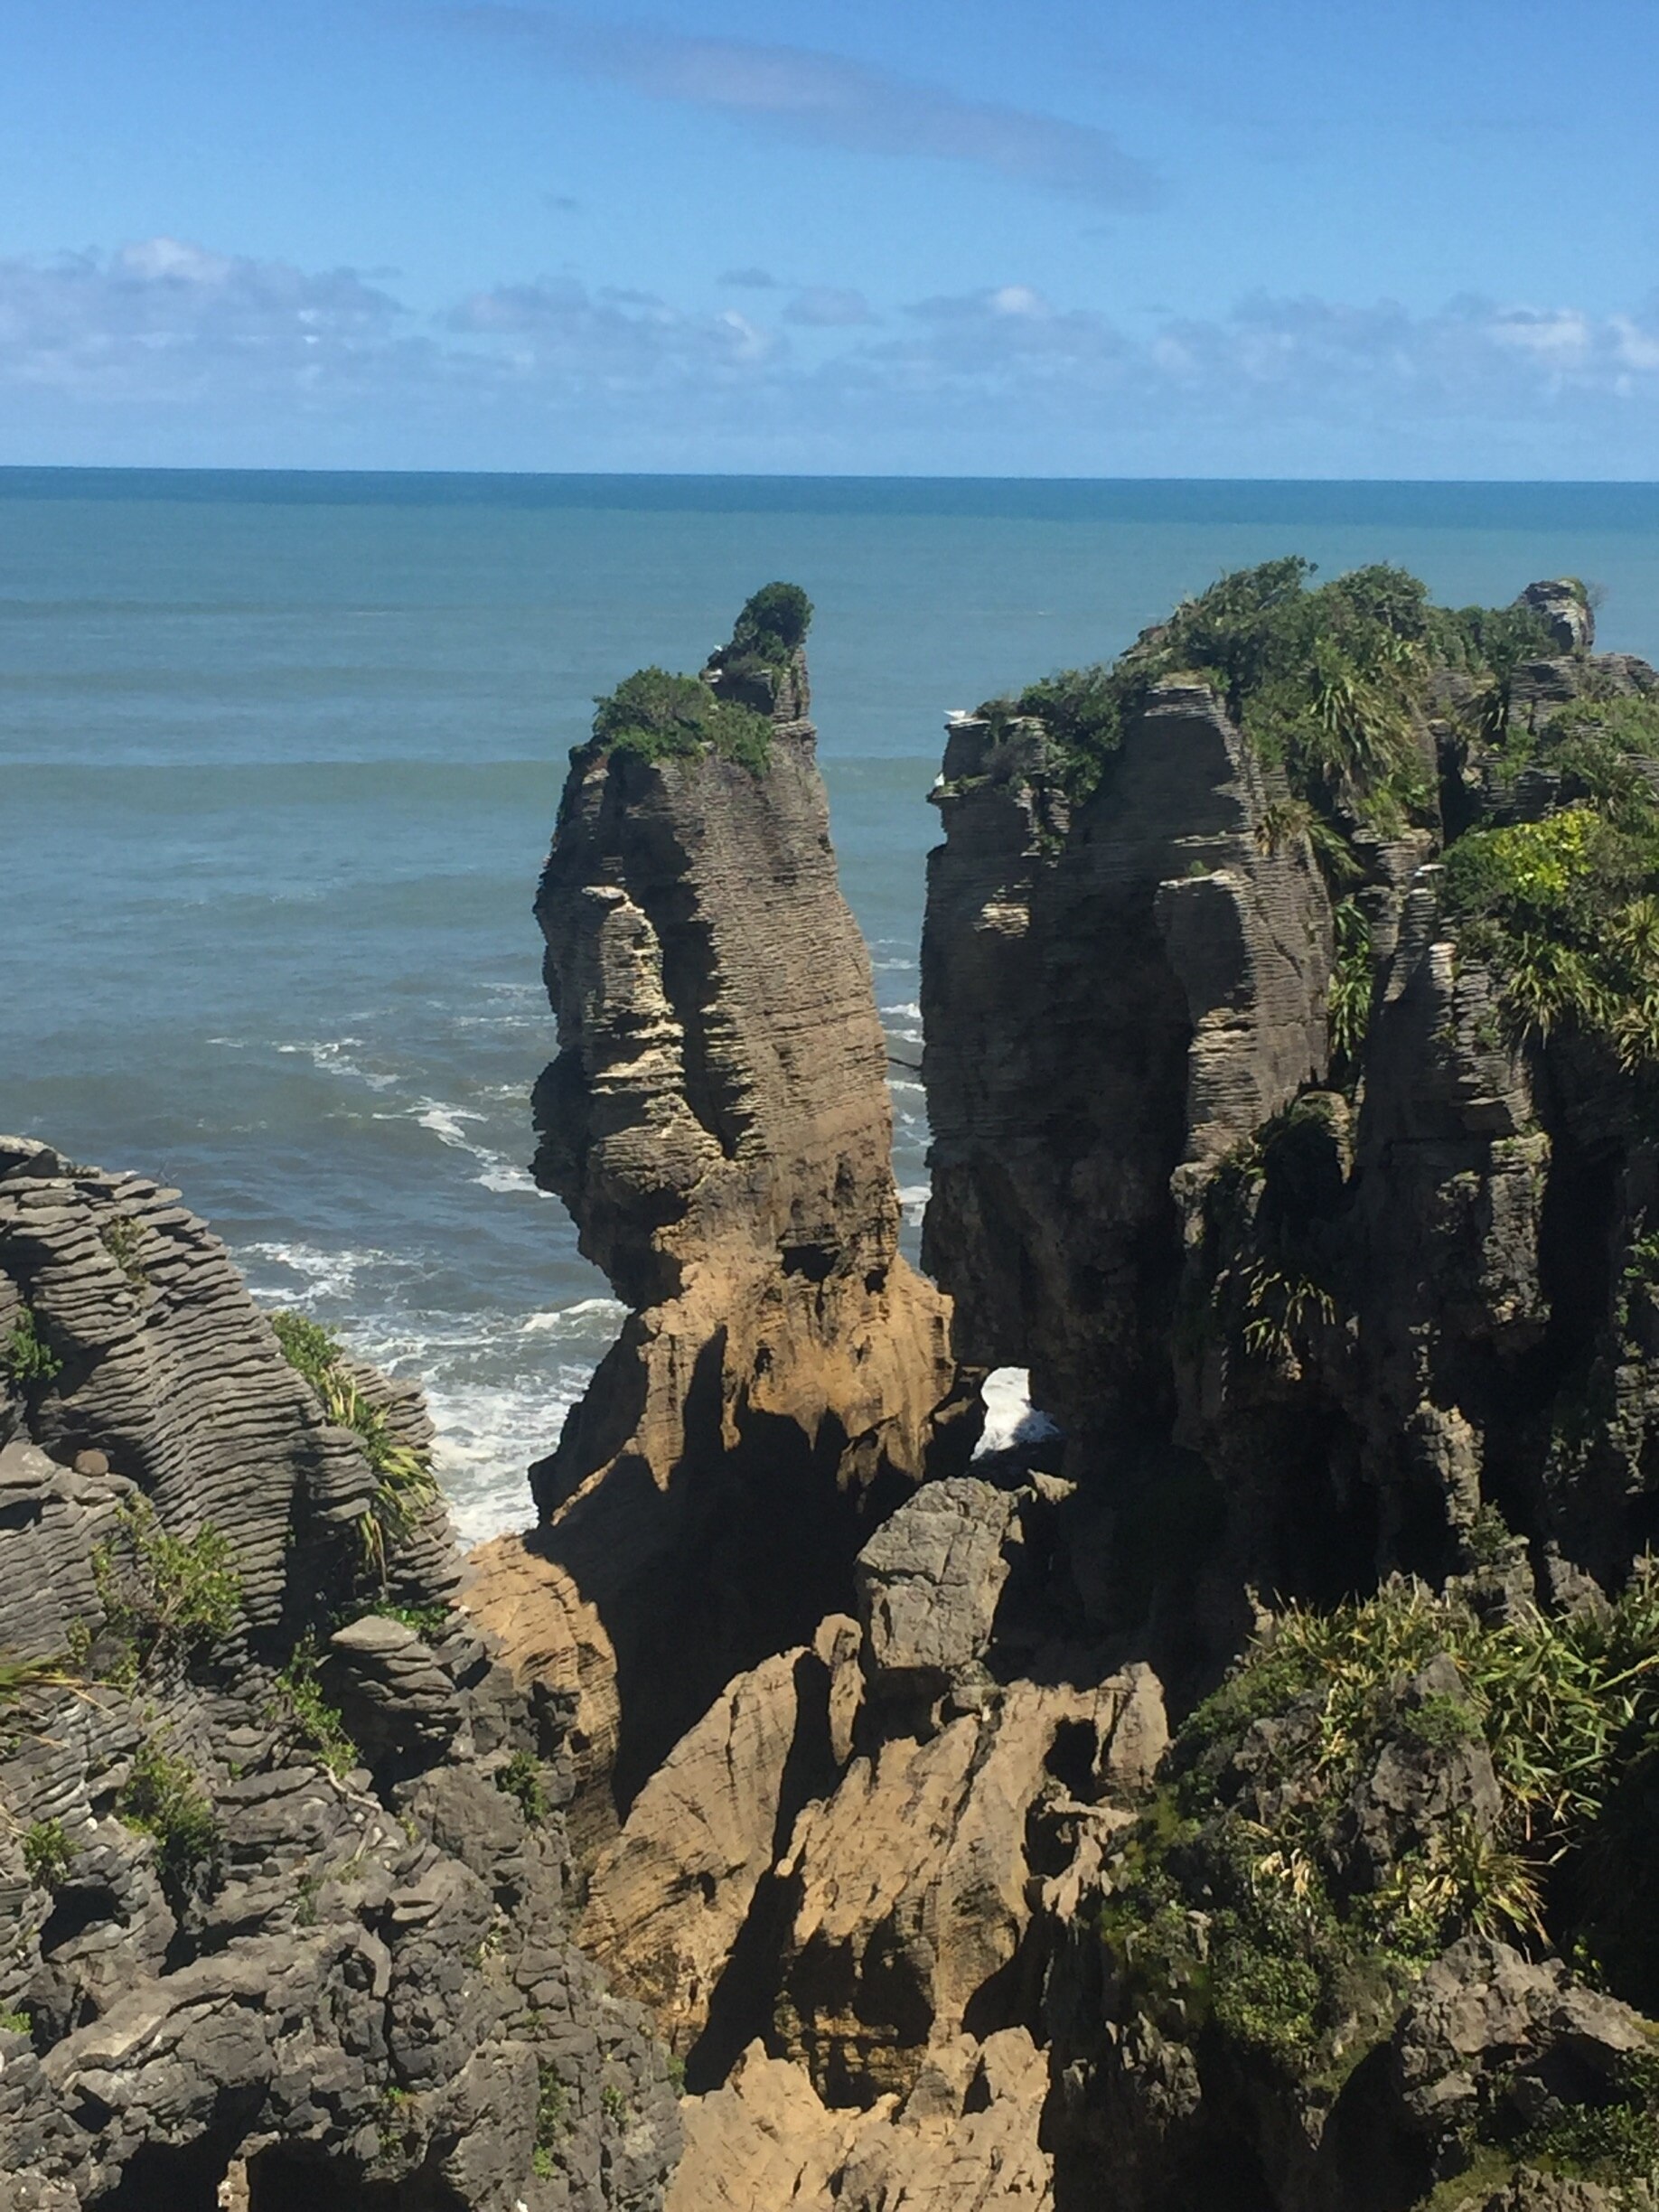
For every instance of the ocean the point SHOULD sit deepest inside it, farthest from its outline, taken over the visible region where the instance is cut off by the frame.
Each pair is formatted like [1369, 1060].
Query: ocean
[280, 755]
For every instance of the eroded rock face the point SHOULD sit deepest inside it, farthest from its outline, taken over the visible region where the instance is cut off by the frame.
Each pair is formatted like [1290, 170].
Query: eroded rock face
[965, 2140]
[1299, 1338]
[864, 1870]
[240, 1961]
[718, 1121]
[1110, 996]
[913, 1886]
[929, 1581]
[667, 1900]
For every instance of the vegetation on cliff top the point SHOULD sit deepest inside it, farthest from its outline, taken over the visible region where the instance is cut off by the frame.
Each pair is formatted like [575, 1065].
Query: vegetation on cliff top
[1335, 686]
[662, 716]
[659, 715]
[1328, 682]
[1565, 910]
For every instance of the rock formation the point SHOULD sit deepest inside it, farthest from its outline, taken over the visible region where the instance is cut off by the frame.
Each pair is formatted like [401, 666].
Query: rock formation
[1114, 993]
[1322, 1325]
[1247, 1801]
[1327, 1253]
[718, 1122]
[242, 1948]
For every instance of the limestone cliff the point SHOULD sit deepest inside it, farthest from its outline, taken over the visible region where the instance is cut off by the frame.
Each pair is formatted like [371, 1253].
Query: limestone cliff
[282, 1867]
[718, 1122]
[1315, 1195]
[1309, 1245]
[1115, 992]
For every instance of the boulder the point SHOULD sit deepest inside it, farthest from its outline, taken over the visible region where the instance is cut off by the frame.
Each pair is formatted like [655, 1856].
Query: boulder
[928, 1584]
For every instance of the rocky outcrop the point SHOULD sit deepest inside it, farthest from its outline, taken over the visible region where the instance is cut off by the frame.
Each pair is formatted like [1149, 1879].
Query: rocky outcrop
[914, 1887]
[282, 1879]
[859, 1857]
[965, 2140]
[718, 1121]
[668, 1901]
[1115, 992]
[1300, 1333]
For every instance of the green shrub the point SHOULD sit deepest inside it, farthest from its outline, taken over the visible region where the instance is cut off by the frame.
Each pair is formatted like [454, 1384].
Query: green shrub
[662, 717]
[430, 1622]
[27, 1356]
[13, 2022]
[1350, 999]
[124, 1238]
[1565, 1701]
[1220, 1925]
[163, 1798]
[655, 713]
[166, 1597]
[1328, 684]
[22, 1680]
[522, 1777]
[771, 626]
[613, 2102]
[46, 1853]
[314, 1723]
[552, 2119]
[1565, 912]
[1609, 2143]
[406, 1487]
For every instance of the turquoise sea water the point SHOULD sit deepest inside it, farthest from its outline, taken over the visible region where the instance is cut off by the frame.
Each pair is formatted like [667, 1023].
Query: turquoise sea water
[279, 756]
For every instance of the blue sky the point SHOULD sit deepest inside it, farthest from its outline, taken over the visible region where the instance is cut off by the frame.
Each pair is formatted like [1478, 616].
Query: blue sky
[1215, 237]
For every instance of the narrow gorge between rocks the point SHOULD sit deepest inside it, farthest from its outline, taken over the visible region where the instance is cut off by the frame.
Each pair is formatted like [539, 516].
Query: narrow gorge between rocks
[1242, 1795]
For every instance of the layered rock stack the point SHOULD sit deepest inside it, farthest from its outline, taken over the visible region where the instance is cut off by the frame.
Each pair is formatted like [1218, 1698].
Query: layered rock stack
[1305, 1152]
[718, 1122]
[1115, 992]
[283, 1869]
[1242, 1149]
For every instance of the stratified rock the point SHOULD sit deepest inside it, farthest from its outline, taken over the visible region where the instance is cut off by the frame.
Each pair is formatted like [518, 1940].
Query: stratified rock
[1110, 996]
[1298, 1338]
[1564, 608]
[247, 1962]
[396, 1698]
[718, 1121]
[668, 1899]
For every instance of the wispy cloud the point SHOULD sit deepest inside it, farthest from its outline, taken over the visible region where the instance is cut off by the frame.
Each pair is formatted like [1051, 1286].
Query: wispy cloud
[826, 99]
[829, 307]
[750, 280]
[166, 350]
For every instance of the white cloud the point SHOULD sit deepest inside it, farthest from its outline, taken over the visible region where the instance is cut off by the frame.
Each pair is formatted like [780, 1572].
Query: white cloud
[166, 350]
[825, 100]
[571, 340]
[162, 319]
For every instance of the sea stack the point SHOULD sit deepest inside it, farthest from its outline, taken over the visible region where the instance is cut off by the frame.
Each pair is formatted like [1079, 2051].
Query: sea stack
[718, 1124]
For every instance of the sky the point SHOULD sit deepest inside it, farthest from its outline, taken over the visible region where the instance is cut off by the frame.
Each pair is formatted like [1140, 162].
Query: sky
[1216, 238]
